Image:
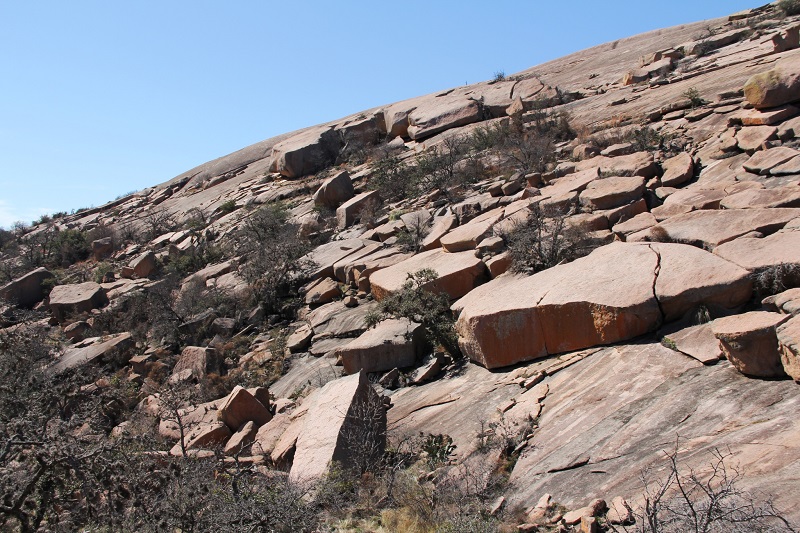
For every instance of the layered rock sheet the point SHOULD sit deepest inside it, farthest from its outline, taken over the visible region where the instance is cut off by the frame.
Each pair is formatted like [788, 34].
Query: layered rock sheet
[613, 415]
[618, 292]
[458, 273]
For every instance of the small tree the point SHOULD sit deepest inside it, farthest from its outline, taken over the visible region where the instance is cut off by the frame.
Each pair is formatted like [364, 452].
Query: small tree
[417, 301]
[276, 254]
[545, 239]
[687, 500]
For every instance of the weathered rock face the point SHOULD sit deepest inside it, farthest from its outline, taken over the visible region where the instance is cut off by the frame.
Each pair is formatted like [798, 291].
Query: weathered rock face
[631, 290]
[345, 423]
[102, 248]
[198, 361]
[789, 345]
[334, 191]
[323, 291]
[348, 212]
[144, 265]
[698, 342]
[757, 254]
[325, 256]
[434, 115]
[394, 343]
[269, 434]
[458, 273]
[630, 402]
[612, 192]
[241, 407]
[750, 343]
[776, 87]
[710, 228]
[27, 290]
[77, 298]
[677, 170]
[118, 346]
[306, 152]
[242, 438]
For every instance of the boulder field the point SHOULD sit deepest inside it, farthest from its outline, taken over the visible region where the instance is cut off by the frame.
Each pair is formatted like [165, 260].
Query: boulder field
[671, 324]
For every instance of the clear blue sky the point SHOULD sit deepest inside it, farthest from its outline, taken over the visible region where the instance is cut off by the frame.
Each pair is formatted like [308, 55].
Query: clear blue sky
[101, 98]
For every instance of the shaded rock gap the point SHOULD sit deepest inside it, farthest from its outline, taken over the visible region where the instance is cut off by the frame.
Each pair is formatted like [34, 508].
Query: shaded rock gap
[656, 272]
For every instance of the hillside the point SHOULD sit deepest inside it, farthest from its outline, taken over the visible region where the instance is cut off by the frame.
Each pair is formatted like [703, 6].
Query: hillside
[566, 299]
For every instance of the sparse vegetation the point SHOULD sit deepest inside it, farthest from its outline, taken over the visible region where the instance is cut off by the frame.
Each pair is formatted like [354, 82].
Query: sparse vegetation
[227, 207]
[702, 501]
[545, 239]
[418, 302]
[775, 279]
[276, 262]
[693, 96]
[789, 7]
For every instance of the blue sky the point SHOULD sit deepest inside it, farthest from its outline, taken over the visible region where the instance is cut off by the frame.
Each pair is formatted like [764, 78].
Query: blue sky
[101, 98]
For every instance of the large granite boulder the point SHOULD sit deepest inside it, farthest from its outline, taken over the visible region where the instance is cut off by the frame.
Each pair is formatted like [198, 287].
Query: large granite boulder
[436, 114]
[26, 290]
[66, 300]
[334, 191]
[618, 292]
[789, 345]
[345, 423]
[241, 407]
[305, 153]
[749, 341]
[457, 273]
[775, 87]
[350, 211]
[394, 343]
[197, 362]
[710, 228]
[118, 346]
[781, 248]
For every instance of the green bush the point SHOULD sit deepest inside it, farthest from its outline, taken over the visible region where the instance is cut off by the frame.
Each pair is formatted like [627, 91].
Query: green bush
[227, 207]
[72, 246]
[276, 256]
[416, 302]
[101, 270]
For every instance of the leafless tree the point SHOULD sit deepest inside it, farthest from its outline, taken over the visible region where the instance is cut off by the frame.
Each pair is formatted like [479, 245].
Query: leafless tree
[703, 501]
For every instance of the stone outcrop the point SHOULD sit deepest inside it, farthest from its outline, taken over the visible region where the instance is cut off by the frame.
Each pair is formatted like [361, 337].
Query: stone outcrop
[305, 153]
[144, 265]
[434, 115]
[677, 170]
[612, 192]
[334, 191]
[750, 343]
[68, 300]
[457, 273]
[467, 236]
[348, 212]
[118, 346]
[775, 87]
[710, 228]
[757, 254]
[198, 362]
[393, 343]
[241, 407]
[345, 423]
[26, 290]
[631, 290]
[789, 345]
